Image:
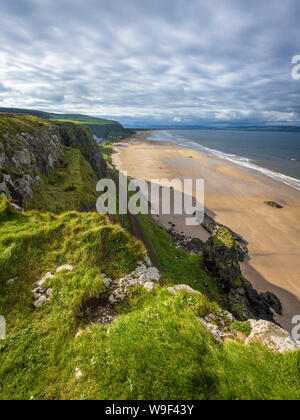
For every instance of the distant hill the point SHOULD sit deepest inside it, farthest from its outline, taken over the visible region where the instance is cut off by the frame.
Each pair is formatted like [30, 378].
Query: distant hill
[99, 126]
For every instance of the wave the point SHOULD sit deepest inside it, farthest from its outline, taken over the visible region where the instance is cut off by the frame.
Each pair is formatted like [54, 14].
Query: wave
[239, 160]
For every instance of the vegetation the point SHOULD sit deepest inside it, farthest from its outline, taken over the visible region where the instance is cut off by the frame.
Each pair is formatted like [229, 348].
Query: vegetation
[178, 266]
[71, 185]
[156, 349]
[62, 117]
[98, 126]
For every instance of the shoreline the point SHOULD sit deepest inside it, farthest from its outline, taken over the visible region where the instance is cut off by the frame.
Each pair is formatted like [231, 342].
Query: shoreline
[235, 196]
[242, 161]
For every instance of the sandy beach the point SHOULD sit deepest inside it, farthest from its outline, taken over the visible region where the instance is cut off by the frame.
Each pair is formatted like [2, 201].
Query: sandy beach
[234, 196]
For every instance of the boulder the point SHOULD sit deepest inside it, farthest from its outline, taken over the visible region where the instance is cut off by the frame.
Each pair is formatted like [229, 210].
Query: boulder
[271, 336]
[221, 259]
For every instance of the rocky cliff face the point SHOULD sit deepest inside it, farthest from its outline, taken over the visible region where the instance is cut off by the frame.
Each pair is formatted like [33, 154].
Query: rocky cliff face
[221, 258]
[80, 137]
[31, 147]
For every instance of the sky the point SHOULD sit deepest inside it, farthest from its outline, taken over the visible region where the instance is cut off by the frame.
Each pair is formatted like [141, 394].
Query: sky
[158, 62]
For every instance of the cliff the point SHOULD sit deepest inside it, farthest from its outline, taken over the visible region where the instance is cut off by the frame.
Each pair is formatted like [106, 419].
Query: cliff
[99, 127]
[88, 317]
[87, 314]
[32, 148]
[221, 258]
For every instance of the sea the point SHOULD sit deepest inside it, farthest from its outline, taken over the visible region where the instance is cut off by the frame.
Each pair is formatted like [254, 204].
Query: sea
[275, 154]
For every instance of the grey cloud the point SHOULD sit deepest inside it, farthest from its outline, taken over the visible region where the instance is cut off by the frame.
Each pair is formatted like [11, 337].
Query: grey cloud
[197, 60]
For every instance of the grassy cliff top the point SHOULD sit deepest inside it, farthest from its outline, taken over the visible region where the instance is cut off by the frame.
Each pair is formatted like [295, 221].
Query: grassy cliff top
[16, 124]
[78, 118]
[155, 349]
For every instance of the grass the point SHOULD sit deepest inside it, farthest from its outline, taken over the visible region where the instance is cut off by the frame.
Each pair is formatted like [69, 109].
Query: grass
[178, 266]
[63, 117]
[107, 152]
[71, 185]
[156, 349]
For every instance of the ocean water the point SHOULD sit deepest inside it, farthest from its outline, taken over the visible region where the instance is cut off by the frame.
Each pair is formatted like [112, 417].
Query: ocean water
[277, 155]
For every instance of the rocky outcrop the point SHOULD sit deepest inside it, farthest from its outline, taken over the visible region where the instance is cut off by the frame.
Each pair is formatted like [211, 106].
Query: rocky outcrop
[27, 150]
[143, 275]
[102, 309]
[80, 137]
[273, 204]
[211, 225]
[107, 130]
[221, 259]
[271, 336]
[30, 147]
[223, 326]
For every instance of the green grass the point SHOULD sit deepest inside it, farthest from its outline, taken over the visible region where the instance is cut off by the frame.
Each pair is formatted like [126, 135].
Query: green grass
[178, 266]
[156, 349]
[70, 186]
[63, 117]
[17, 124]
[107, 151]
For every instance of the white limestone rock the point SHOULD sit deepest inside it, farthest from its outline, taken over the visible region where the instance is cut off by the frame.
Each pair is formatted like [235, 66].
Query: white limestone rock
[149, 285]
[40, 301]
[44, 279]
[11, 281]
[271, 336]
[214, 330]
[65, 267]
[184, 287]
[78, 373]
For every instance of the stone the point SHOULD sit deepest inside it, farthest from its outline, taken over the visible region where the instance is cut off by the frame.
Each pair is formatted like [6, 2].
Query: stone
[214, 330]
[78, 373]
[65, 267]
[271, 336]
[10, 281]
[184, 287]
[23, 156]
[39, 302]
[44, 279]
[149, 285]
[273, 204]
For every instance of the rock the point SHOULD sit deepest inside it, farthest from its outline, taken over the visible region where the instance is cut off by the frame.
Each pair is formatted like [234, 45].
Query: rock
[23, 156]
[78, 373]
[79, 333]
[11, 281]
[44, 279]
[34, 147]
[273, 204]
[40, 301]
[65, 267]
[272, 301]
[271, 336]
[174, 289]
[149, 285]
[141, 276]
[148, 261]
[221, 259]
[214, 330]
[41, 295]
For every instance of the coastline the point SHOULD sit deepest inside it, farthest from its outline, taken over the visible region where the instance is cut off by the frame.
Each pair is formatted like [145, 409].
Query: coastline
[234, 196]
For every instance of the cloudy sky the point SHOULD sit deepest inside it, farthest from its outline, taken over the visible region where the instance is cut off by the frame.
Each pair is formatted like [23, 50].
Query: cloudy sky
[152, 62]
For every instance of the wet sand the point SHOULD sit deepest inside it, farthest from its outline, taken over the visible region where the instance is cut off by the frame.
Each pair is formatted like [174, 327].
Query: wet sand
[235, 196]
